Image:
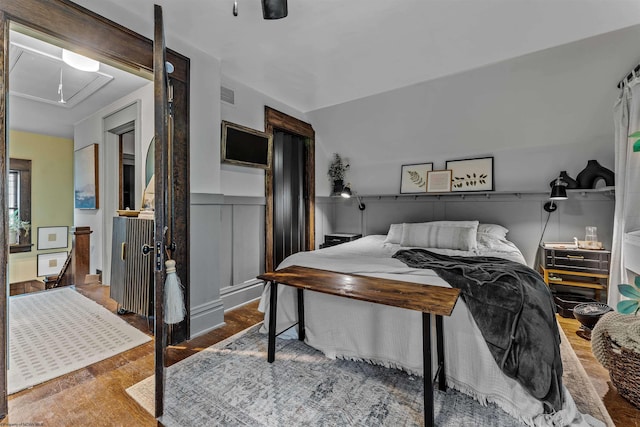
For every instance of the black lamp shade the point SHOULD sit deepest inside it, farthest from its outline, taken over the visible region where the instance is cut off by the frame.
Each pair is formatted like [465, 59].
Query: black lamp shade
[558, 192]
[274, 9]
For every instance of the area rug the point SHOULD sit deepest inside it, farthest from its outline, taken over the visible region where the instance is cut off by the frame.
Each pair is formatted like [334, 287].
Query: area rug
[231, 384]
[58, 331]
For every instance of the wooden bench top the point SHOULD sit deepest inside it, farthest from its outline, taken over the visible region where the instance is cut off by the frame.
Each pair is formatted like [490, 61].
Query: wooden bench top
[412, 296]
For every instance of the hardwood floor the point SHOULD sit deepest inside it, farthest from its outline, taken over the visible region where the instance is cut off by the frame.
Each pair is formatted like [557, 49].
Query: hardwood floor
[623, 413]
[95, 396]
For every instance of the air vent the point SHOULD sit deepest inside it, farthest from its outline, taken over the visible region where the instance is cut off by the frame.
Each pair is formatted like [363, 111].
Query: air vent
[227, 95]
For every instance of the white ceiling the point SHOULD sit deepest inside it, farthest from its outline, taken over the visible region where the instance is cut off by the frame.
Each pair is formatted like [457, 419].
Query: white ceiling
[34, 79]
[331, 51]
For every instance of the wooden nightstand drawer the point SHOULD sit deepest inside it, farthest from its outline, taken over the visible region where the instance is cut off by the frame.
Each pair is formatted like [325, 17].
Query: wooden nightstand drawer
[576, 267]
[577, 260]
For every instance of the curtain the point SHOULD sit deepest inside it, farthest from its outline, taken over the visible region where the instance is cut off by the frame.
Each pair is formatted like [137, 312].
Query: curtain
[627, 169]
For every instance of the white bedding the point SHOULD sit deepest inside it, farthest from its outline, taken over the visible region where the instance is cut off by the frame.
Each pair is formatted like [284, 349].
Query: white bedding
[345, 328]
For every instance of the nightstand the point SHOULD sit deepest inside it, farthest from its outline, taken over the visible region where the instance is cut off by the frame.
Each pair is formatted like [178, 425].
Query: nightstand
[581, 268]
[337, 238]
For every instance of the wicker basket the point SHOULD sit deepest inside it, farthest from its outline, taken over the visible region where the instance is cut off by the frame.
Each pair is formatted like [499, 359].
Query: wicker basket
[624, 369]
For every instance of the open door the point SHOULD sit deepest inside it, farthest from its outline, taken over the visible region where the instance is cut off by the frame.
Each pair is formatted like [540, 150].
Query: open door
[161, 87]
[105, 40]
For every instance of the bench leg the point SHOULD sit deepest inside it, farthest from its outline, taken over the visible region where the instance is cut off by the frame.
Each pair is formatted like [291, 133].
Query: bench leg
[300, 314]
[427, 371]
[271, 347]
[442, 380]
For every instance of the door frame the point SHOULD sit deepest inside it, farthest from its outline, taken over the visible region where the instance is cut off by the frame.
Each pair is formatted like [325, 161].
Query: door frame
[274, 119]
[94, 36]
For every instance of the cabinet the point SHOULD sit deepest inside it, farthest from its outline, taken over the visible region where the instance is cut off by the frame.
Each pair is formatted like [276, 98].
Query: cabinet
[132, 269]
[576, 267]
[337, 238]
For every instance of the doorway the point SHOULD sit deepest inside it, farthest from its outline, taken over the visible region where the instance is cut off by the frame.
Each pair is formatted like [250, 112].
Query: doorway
[101, 39]
[303, 135]
[288, 194]
[127, 171]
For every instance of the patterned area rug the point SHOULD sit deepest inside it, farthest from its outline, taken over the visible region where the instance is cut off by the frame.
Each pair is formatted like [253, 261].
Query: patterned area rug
[231, 384]
[58, 331]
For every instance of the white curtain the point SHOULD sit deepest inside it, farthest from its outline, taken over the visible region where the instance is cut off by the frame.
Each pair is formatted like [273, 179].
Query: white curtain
[627, 175]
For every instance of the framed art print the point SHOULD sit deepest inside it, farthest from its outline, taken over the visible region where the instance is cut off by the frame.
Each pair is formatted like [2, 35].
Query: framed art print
[439, 181]
[53, 237]
[85, 162]
[414, 178]
[51, 263]
[471, 174]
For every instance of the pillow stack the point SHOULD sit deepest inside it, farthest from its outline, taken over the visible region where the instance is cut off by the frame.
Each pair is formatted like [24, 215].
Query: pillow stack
[457, 235]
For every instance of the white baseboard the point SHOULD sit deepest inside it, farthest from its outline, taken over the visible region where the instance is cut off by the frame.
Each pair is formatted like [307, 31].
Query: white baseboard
[206, 317]
[239, 295]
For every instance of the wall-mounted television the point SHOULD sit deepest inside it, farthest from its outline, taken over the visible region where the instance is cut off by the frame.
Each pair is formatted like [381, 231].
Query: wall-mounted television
[244, 146]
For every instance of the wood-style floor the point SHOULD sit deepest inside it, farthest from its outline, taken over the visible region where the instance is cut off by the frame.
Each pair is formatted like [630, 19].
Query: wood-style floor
[95, 396]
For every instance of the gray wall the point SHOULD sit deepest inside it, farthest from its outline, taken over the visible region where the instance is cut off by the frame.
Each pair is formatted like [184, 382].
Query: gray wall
[227, 253]
[521, 213]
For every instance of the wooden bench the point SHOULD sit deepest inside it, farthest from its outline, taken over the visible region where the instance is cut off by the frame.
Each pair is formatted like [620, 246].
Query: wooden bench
[430, 300]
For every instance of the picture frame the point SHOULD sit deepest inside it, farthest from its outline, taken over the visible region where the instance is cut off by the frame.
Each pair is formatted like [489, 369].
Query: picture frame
[86, 184]
[439, 181]
[471, 174]
[53, 237]
[51, 263]
[413, 178]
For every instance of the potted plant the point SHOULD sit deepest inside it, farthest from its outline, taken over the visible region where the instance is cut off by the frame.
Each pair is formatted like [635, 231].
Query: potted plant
[337, 169]
[15, 225]
[631, 305]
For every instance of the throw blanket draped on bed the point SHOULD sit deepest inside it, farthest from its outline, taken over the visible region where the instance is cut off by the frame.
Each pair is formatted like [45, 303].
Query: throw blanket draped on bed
[513, 309]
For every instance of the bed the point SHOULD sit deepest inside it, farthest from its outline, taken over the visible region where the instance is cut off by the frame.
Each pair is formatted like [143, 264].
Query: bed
[356, 330]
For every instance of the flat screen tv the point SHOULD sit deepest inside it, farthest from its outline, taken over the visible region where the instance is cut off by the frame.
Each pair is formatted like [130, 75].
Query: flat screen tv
[244, 146]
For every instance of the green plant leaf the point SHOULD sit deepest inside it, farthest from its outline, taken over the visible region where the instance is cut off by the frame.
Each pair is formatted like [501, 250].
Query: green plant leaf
[629, 291]
[636, 134]
[628, 306]
[636, 146]
[637, 282]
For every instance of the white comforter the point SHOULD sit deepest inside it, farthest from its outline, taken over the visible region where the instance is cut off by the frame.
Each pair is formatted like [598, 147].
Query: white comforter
[345, 328]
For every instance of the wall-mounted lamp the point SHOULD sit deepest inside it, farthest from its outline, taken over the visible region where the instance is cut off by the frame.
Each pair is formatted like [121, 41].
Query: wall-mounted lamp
[558, 192]
[347, 193]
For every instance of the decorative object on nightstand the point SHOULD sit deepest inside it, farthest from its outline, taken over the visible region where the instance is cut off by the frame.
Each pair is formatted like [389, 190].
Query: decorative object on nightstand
[581, 268]
[338, 238]
[588, 314]
[347, 193]
[592, 173]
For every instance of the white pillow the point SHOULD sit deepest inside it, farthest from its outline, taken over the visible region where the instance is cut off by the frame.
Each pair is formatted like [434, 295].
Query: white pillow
[460, 235]
[395, 234]
[493, 229]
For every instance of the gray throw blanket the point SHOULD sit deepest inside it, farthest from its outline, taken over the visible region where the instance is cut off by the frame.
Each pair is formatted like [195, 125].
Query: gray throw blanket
[515, 312]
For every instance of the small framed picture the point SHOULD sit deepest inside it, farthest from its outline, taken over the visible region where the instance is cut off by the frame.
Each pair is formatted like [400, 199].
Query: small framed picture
[414, 178]
[51, 263]
[439, 181]
[53, 237]
[471, 174]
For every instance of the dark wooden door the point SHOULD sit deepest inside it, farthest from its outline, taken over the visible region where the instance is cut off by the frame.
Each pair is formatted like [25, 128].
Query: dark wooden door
[288, 194]
[102, 39]
[160, 83]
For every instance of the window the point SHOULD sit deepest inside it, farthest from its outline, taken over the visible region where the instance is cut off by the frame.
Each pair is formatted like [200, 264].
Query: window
[19, 205]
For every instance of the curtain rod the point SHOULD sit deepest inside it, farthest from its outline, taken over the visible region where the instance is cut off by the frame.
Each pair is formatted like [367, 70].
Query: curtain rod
[628, 77]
